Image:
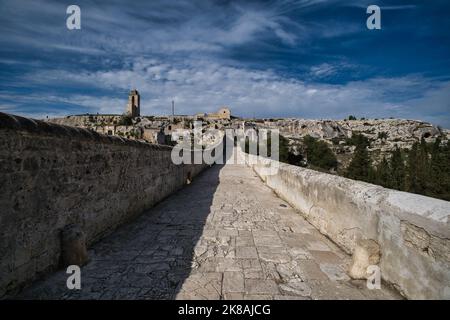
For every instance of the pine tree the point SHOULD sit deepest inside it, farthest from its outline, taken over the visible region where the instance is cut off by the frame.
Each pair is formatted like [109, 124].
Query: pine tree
[359, 167]
[383, 174]
[319, 154]
[423, 169]
[418, 169]
[397, 170]
[411, 168]
[446, 170]
[439, 180]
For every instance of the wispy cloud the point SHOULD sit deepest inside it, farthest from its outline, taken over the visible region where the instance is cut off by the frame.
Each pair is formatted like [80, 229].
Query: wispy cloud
[307, 58]
[203, 87]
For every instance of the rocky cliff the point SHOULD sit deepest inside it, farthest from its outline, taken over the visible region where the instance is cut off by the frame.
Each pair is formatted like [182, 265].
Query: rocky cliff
[384, 135]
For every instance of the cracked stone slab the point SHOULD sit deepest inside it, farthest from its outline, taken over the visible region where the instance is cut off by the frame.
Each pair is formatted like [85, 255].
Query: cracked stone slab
[233, 282]
[296, 287]
[246, 252]
[258, 286]
[214, 239]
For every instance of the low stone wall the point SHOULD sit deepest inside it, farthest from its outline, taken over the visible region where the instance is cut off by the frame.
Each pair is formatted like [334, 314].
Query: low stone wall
[53, 175]
[413, 231]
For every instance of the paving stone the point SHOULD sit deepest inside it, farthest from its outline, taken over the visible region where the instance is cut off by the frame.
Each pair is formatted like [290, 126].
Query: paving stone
[257, 297]
[333, 290]
[246, 252]
[296, 287]
[317, 245]
[233, 296]
[258, 286]
[214, 240]
[207, 285]
[227, 264]
[286, 297]
[273, 254]
[289, 270]
[334, 272]
[233, 282]
[299, 253]
[325, 257]
[244, 241]
[311, 270]
[270, 271]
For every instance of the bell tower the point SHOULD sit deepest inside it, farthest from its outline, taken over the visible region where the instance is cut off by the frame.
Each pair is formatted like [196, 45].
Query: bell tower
[134, 104]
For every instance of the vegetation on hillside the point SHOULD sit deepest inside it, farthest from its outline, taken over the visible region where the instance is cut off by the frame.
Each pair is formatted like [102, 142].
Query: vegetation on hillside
[358, 140]
[125, 120]
[319, 154]
[425, 169]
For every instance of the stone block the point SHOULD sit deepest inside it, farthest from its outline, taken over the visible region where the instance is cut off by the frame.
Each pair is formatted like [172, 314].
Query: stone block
[73, 246]
[367, 252]
[233, 282]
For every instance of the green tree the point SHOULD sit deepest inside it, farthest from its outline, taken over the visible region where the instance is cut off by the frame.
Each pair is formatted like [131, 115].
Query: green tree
[319, 154]
[382, 135]
[397, 170]
[411, 169]
[357, 139]
[383, 174]
[439, 181]
[418, 176]
[360, 166]
[125, 120]
[285, 155]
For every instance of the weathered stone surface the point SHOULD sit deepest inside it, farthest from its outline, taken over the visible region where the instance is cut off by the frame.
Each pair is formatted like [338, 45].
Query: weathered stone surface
[367, 252]
[59, 175]
[246, 252]
[233, 282]
[260, 286]
[296, 287]
[173, 251]
[412, 230]
[73, 246]
[334, 272]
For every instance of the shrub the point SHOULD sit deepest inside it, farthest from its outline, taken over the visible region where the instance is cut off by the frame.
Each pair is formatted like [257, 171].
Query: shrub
[357, 140]
[319, 154]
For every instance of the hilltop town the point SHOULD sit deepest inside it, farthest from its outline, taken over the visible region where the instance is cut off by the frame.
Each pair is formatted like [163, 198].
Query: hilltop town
[385, 134]
[152, 129]
[104, 181]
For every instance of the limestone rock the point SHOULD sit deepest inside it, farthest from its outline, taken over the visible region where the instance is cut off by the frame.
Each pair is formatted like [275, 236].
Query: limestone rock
[296, 287]
[367, 252]
[73, 246]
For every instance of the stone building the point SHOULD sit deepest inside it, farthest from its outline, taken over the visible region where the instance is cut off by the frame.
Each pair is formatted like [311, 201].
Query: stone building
[134, 104]
[154, 135]
[224, 113]
[129, 132]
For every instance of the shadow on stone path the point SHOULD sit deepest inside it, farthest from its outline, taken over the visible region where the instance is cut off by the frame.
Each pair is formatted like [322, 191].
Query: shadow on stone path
[225, 236]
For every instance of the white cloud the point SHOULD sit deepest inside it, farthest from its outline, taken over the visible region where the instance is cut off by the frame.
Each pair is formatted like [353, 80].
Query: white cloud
[188, 43]
[203, 86]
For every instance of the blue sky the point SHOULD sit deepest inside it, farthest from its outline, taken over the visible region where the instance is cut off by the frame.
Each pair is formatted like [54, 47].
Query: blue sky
[307, 58]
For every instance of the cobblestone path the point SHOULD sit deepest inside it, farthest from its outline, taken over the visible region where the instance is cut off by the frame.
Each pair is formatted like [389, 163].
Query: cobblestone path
[225, 236]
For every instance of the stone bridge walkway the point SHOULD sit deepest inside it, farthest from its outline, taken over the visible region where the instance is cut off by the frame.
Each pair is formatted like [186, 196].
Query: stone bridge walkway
[225, 236]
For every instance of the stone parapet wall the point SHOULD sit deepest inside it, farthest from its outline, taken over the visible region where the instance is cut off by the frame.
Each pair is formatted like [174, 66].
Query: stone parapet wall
[53, 175]
[413, 231]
